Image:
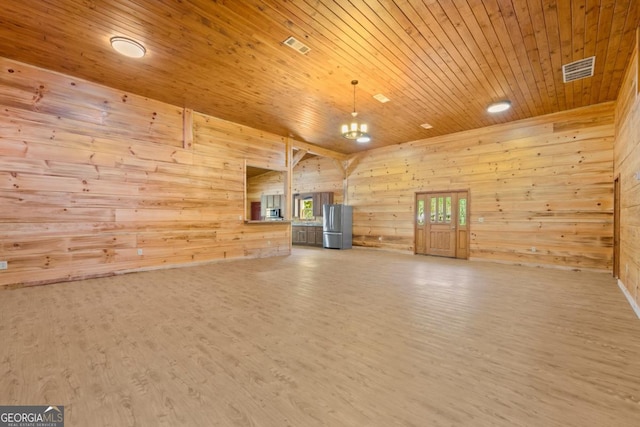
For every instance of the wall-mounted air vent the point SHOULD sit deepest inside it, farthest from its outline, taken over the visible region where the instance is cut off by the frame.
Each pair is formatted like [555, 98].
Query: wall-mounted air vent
[578, 69]
[294, 43]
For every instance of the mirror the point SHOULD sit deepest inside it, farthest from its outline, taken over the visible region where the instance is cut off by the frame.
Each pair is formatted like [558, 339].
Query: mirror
[265, 194]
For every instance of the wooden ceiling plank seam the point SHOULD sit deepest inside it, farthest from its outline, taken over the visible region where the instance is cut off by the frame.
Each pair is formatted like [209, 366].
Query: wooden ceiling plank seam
[373, 31]
[565, 25]
[402, 36]
[578, 9]
[115, 55]
[429, 40]
[493, 72]
[517, 39]
[447, 101]
[605, 27]
[592, 16]
[484, 35]
[446, 59]
[349, 97]
[409, 80]
[522, 18]
[212, 20]
[392, 78]
[474, 69]
[627, 28]
[543, 51]
[550, 16]
[524, 75]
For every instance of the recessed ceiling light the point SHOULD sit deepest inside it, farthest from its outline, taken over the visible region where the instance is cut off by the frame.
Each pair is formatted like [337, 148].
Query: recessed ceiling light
[498, 107]
[128, 47]
[426, 125]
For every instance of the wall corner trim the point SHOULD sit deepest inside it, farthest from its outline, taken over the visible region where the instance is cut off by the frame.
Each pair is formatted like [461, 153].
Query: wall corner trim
[632, 302]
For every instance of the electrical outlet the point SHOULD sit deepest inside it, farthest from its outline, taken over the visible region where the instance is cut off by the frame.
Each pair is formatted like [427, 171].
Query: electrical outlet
[533, 249]
[139, 251]
[4, 265]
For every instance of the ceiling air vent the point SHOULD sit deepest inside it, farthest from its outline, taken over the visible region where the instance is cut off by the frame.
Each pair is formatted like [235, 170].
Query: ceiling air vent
[294, 43]
[578, 69]
[380, 97]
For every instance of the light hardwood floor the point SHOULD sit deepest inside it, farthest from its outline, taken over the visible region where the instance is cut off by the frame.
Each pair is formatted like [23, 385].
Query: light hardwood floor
[326, 337]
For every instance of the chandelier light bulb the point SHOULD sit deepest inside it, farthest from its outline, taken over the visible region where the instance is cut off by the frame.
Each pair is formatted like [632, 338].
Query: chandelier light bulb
[355, 131]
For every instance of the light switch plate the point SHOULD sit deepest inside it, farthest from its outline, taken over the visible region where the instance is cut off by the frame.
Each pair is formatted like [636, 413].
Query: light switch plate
[4, 265]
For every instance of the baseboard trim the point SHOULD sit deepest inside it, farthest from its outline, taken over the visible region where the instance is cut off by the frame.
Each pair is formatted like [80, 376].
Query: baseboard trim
[632, 302]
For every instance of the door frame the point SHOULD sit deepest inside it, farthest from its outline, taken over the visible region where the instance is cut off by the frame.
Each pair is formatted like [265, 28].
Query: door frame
[616, 227]
[467, 239]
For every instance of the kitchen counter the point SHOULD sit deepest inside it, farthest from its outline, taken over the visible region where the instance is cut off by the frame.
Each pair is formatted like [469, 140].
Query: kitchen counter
[268, 221]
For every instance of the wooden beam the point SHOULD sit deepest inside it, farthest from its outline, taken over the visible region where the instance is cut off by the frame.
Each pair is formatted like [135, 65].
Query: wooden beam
[297, 157]
[351, 164]
[340, 166]
[319, 151]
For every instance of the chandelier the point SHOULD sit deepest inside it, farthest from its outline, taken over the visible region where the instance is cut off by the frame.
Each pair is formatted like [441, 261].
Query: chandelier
[355, 130]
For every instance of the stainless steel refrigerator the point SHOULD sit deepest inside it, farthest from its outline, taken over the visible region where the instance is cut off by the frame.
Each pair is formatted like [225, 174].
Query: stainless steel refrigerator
[337, 221]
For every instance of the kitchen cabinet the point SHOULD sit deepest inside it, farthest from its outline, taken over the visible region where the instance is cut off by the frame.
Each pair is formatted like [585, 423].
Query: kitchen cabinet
[310, 235]
[299, 235]
[319, 199]
[318, 232]
[271, 201]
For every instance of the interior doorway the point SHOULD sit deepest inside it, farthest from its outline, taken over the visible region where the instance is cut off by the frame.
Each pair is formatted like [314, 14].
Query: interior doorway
[442, 224]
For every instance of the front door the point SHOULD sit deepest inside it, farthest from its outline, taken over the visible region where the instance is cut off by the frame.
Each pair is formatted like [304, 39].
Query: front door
[441, 224]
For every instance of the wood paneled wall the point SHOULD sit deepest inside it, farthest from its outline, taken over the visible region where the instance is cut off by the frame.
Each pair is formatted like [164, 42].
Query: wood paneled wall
[319, 174]
[627, 168]
[543, 183]
[90, 175]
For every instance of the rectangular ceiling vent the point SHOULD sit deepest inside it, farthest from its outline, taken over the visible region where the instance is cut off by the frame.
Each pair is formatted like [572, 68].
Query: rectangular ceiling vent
[380, 97]
[294, 43]
[578, 69]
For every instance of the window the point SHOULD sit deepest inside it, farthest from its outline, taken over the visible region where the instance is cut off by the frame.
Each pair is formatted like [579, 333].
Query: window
[306, 209]
[420, 217]
[433, 210]
[462, 211]
[447, 209]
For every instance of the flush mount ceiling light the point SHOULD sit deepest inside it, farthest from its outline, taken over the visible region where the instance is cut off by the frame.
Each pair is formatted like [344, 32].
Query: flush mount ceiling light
[498, 107]
[354, 130]
[128, 47]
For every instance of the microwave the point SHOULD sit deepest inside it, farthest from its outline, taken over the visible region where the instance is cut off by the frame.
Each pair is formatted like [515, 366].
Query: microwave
[272, 213]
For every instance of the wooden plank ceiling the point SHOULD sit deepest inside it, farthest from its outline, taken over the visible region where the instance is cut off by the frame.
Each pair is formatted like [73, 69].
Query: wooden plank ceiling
[439, 62]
